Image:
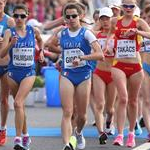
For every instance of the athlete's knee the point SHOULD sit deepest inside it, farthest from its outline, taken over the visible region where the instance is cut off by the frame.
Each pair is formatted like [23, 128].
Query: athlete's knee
[146, 102]
[4, 101]
[67, 113]
[18, 104]
[123, 100]
[110, 110]
[133, 102]
[100, 107]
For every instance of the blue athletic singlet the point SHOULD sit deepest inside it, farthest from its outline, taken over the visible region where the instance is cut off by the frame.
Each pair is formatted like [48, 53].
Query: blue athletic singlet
[22, 63]
[3, 27]
[74, 47]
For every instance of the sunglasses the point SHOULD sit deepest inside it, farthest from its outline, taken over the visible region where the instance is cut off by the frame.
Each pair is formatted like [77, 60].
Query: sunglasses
[128, 6]
[72, 16]
[22, 16]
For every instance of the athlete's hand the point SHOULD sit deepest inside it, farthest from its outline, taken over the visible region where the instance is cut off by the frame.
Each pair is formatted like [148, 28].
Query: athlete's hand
[1, 40]
[76, 62]
[14, 39]
[41, 56]
[131, 31]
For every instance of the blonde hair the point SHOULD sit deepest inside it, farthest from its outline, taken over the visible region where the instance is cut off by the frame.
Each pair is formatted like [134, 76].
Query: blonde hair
[130, 0]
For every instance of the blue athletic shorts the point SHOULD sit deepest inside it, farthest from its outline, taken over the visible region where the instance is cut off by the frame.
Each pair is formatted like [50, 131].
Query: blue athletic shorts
[146, 68]
[77, 77]
[19, 75]
[3, 70]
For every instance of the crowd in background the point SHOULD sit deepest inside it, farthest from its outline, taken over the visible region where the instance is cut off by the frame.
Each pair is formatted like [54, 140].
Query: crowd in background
[44, 10]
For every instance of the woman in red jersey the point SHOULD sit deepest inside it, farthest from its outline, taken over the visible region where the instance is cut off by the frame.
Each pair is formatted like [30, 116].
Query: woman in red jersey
[102, 81]
[127, 72]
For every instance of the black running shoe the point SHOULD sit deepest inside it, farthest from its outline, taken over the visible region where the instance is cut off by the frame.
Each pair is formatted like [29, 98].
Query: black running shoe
[103, 138]
[94, 123]
[141, 122]
[18, 147]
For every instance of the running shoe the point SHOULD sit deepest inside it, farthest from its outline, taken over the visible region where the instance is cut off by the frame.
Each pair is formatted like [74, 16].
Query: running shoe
[67, 147]
[3, 137]
[18, 144]
[94, 123]
[80, 140]
[130, 140]
[118, 141]
[73, 142]
[110, 131]
[26, 141]
[141, 122]
[138, 130]
[103, 138]
[148, 137]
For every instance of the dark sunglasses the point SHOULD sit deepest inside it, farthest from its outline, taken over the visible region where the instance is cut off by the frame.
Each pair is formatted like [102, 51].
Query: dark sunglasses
[128, 6]
[72, 16]
[22, 16]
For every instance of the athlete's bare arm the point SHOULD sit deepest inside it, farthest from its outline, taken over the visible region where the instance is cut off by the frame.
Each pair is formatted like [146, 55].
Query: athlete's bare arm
[7, 43]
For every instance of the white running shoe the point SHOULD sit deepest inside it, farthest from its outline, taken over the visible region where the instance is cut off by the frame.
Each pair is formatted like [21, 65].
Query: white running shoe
[80, 140]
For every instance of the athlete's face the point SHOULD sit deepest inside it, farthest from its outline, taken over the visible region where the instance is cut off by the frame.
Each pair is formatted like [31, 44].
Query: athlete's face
[148, 17]
[128, 7]
[2, 5]
[20, 17]
[105, 22]
[116, 12]
[72, 17]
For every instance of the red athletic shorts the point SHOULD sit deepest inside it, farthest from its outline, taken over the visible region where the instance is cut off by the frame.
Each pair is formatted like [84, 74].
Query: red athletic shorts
[104, 75]
[128, 68]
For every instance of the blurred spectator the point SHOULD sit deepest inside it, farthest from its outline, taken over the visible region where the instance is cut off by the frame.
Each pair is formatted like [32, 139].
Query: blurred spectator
[40, 10]
[30, 5]
[10, 6]
[100, 3]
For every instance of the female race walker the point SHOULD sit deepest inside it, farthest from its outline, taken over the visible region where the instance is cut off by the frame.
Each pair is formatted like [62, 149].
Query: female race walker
[19, 42]
[127, 72]
[75, 81]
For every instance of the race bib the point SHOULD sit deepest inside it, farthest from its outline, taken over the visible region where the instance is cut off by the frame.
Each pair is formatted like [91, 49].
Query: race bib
[147, 45]
[23, 57]
[70, 55]
[1, 30]
[126, 49]
[102, 42]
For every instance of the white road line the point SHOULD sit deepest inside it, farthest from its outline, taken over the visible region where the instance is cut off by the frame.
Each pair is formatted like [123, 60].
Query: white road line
[145, 146]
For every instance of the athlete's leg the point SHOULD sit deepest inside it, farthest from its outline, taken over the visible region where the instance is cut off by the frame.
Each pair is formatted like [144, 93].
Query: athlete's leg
[4, 100]
[23, 90]
[134, 85]
[4, 109]
[146, 101]
[67, 96]
[99, 88]
[111, 97]
[120, 81]
[82, 100]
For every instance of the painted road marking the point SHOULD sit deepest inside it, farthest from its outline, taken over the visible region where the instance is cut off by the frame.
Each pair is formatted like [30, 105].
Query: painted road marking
[56, 132]
[145, 146]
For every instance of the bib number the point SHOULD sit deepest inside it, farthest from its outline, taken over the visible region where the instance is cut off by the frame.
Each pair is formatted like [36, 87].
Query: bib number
[126, 49]
[102, 42]
[23, 57]
[1, 30]
[70, 55]
[147, 45]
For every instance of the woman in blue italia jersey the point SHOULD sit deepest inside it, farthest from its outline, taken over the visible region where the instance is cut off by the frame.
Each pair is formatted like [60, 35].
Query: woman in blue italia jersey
[19, 42]
[76, 43]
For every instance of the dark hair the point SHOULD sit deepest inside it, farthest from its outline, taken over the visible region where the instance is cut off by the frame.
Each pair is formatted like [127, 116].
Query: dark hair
[72, 6]
[21, 6]
[147, 8]
[96, 12]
